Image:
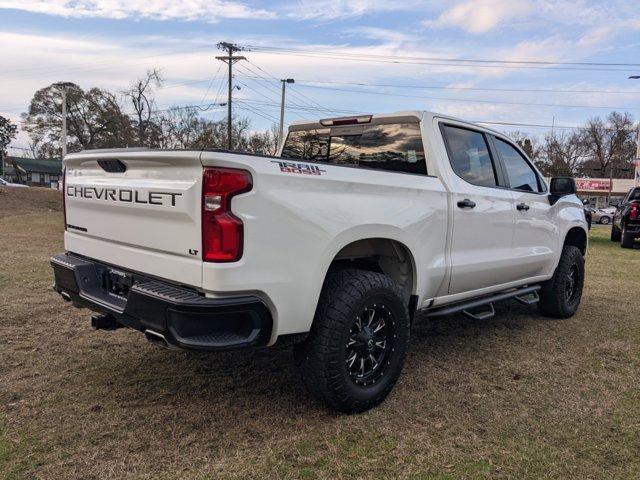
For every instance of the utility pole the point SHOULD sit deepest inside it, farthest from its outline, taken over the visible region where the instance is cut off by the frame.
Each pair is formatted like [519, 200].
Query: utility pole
[229, 59]
[284, 87]
[64, 122]
[63, 137]
[636, 174]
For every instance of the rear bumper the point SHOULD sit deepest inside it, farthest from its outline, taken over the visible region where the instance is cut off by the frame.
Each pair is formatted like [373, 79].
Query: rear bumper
[633, 229]
[185, 318]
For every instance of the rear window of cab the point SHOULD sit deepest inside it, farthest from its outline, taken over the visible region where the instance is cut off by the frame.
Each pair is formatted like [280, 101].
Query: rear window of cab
[394, 147]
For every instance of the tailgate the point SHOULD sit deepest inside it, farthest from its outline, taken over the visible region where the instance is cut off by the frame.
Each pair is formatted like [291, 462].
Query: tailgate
[138, 209]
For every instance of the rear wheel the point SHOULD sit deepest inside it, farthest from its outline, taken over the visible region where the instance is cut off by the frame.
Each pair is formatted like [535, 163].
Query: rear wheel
[356, 348]
[560, 296]
[615, 233]
[605, 220]
[626, 239]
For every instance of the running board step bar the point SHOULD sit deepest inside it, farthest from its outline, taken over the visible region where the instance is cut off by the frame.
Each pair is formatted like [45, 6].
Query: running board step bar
[526, 296]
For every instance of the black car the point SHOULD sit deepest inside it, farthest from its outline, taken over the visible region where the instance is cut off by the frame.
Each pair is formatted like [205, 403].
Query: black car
[625, 227]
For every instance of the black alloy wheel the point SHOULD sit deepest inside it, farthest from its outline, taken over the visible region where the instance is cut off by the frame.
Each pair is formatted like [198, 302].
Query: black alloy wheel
[371, 341]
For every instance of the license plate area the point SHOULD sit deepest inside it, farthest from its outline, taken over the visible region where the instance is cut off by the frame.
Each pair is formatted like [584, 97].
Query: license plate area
[118, 283]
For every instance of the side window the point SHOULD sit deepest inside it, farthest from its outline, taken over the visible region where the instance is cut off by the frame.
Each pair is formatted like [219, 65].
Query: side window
[519, 173]
[469, 156]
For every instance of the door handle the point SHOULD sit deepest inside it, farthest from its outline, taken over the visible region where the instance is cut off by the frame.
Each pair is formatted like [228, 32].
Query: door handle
[522, 207]
[466, 203]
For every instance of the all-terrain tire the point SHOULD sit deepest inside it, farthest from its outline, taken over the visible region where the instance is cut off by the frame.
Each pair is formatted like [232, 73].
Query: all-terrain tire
[626, 239]
[560, 296]
[615, 233]
[322, 358]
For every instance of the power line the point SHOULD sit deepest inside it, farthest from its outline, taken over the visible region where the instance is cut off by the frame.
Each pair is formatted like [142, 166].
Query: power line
[437, 61]
[469, 100]
[446, 87]
[295, 93]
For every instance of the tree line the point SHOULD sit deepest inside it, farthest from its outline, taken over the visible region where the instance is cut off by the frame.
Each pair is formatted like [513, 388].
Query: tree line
[96, 118]
[602, 147]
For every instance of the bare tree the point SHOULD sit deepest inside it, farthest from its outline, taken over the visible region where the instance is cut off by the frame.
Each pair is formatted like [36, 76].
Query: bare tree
[563, 153]
[609, 145]
[141, 96]
[94, 120]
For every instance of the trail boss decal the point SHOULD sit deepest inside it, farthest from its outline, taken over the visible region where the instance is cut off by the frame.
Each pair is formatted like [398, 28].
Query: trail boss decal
[303, 168]
[123, 195]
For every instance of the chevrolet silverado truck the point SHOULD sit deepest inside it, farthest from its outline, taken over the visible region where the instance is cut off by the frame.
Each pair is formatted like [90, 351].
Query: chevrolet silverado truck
[332, 246]
[625, 227]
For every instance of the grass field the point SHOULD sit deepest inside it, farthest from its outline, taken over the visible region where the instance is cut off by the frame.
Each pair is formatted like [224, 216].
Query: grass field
[517, 396]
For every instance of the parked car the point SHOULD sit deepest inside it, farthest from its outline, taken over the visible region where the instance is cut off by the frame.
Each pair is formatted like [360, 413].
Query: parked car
[333, 245]
[4, 183]
[625, 227]
[604, 215]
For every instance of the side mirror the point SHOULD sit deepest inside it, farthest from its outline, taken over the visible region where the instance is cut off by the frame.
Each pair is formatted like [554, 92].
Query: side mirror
[585, 202]
[561, 187]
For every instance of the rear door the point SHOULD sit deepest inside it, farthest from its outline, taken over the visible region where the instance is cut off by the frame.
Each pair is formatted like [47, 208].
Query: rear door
[536, 233]
[483, 213]
[138, 210]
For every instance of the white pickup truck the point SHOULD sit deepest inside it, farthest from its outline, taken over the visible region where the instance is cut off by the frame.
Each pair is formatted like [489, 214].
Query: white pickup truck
[335, 243]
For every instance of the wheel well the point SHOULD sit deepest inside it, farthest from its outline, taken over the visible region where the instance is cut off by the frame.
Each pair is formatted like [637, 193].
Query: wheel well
[577, 238]
[380, 255]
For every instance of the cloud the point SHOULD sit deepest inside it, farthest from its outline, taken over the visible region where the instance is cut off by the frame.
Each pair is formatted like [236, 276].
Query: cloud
[342, 9]
[480, 16]
[203, 10]
[384, 34]
[595, 36]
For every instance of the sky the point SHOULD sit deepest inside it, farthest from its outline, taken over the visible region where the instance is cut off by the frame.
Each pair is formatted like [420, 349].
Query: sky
[347, 56]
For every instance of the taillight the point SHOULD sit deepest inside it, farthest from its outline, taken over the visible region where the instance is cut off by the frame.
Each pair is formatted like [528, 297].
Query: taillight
[222, 231]
[64, 196]
[635, 210]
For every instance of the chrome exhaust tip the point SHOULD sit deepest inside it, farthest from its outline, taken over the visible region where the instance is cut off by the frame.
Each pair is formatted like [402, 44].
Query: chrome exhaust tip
[156, 339]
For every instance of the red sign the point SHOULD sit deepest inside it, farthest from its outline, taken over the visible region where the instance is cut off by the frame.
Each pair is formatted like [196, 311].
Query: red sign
[590, 184]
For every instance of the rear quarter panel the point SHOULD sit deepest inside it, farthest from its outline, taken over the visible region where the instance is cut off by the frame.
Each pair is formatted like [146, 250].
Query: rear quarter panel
[295, 224]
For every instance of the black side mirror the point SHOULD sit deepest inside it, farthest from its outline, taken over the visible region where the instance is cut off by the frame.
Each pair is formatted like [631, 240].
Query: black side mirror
[561, 187]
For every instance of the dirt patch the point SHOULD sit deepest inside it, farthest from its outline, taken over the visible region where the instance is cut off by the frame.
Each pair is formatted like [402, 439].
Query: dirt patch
[517, 396]
[20, 201]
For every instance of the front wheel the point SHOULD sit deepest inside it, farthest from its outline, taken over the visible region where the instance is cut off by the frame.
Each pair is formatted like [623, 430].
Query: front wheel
[605, 220]
[358, 342]
[560, 296]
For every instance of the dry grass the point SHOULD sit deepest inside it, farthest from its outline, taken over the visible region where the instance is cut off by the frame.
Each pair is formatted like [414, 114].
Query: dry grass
[518, 396]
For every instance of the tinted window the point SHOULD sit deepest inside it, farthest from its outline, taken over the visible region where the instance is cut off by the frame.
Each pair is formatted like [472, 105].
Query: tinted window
[307, 145]
[394, 147]
[469, 155]
[519, 173]
[634, 195]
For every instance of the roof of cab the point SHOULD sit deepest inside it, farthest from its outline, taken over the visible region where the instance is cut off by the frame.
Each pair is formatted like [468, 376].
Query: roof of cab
[420, 115]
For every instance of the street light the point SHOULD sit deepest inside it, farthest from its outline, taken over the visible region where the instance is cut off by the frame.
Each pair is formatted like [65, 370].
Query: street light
[63, 87]
[636, 175]
[281, 130]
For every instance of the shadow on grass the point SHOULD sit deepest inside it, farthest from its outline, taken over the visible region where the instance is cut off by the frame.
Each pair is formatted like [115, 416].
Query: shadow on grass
[250, 381]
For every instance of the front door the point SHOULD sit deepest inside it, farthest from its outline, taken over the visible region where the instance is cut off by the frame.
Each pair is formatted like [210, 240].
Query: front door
[483, 213]
[536, 234]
